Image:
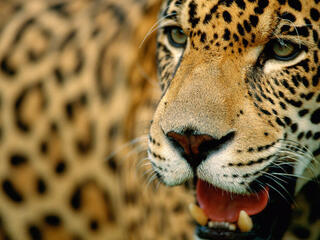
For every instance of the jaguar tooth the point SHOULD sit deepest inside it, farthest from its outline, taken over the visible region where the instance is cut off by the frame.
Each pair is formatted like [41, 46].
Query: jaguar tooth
[245, 222]
[223, 225]
[198, 214]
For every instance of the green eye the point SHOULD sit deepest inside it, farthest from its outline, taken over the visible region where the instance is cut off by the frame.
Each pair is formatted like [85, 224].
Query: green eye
[176, 37]
[284, 50]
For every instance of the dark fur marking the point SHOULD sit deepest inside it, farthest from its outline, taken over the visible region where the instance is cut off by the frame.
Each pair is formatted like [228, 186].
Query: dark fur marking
[41, 186]
[76, 199]
[241, 4]
[17, 159]
[61, 167]
[11, 192]
[295, 4]
[52, 220]
[226, 35]
[315, 116]
[192, 13]
[315, 15]
[94, 225]
[6, 68]
[227, 17]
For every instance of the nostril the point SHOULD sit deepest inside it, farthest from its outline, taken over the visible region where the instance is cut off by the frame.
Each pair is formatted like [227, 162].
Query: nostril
[216, 144]
[196, 147]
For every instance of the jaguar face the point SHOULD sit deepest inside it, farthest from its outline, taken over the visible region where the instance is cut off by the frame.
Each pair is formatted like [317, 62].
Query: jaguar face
[240, 111]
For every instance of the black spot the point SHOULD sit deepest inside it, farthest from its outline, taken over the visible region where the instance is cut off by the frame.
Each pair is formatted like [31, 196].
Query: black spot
[54, 127]
[247, 26]
[245, 42]
[60, 167]
[18, 159]
[203, 37]
[314, 13]
[308, 135]
[316, 136]
[6, 68]
[315, 116]
[285, 28]
[76, 200]
[69, 110]
[226, 35]
[60, 8]
[300, 136]
[192, 13]
[44, 147]
[226, 16]
[58, 75]
[287, 120]
[303, 112]
[52, 220]
[35, 232]
[262, 4]
[11, 192]
[315, 56]
[288, 16]
[240, 29]
[294, 128]
[235, 37]
[316, 152]
[208, 16]
[41, 186]
[294, 103]
[315, 78]
[94, 225]
[295, 4]
[112, 164]
[241, 4]
[254, 20]
[280, 123]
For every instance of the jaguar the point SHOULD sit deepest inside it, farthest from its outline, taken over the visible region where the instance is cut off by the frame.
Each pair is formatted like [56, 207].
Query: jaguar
[150, 119]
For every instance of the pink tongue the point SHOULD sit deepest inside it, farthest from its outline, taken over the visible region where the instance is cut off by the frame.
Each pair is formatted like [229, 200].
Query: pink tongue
[222, 206]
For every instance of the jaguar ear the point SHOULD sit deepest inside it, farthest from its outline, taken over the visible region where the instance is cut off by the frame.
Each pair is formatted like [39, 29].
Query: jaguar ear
[312, 171]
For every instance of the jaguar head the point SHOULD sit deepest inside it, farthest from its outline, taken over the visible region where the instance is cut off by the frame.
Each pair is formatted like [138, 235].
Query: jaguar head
[240, 110]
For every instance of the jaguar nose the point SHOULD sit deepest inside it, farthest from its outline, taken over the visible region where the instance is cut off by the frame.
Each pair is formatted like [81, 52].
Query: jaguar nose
[195, 148]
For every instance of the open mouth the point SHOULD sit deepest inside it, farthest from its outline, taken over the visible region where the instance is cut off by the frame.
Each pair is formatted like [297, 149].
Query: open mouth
[221, 215]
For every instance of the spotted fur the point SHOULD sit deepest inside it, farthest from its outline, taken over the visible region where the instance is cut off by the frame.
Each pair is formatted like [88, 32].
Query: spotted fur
[77, 84]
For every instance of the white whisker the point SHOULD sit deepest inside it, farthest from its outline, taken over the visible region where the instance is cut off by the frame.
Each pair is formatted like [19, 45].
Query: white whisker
[155, 27]
[128, 144]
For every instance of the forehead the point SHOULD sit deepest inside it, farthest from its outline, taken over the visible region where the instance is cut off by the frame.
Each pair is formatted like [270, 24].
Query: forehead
[236, 19]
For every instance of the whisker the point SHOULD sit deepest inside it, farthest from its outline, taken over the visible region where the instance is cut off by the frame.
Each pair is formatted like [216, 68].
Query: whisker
[154, 27]
[295, 28]
[128, 144]
[293, 175]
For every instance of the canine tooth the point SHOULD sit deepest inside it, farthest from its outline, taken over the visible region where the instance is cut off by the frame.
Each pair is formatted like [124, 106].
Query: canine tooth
[198, 214]
[244, 222]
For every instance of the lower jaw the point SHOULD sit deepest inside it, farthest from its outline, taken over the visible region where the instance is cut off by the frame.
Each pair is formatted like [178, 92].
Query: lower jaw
[206, 233]
[268, 225]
